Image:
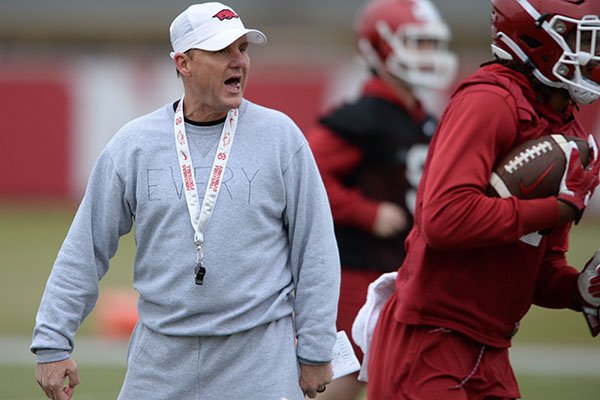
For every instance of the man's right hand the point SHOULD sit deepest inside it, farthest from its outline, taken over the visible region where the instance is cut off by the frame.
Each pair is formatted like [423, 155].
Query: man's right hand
[390, 220]
[51, 378]
[578, 183]
[315, 378]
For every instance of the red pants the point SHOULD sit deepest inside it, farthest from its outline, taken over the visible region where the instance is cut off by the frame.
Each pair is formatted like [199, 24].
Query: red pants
[429, 363]
[353, 294]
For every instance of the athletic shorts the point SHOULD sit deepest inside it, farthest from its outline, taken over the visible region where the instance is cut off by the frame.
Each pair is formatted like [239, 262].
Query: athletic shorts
[353, 294]
[419, 362]
[258, 364]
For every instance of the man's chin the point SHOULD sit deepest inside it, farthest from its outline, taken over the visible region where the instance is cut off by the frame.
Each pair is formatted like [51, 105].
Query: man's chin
[234, 101]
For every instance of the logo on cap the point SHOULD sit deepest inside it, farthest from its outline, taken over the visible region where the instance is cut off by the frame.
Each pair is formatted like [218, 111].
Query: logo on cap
[225, 14]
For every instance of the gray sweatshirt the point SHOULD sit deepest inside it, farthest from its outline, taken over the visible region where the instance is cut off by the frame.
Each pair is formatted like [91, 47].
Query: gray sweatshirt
[271, 232]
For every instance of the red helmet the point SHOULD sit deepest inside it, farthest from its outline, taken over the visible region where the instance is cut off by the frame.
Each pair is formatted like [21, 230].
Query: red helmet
[558, 39]
[390, 36]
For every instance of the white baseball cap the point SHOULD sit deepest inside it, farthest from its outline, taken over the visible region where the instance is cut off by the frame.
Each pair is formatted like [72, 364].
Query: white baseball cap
[209, 26]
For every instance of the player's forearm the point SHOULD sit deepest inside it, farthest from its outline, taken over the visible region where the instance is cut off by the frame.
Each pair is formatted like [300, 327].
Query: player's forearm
[467, 219]
[567, 213]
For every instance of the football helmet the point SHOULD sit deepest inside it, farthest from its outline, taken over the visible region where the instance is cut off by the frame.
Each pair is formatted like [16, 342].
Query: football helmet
[408, 39]
[559, 40]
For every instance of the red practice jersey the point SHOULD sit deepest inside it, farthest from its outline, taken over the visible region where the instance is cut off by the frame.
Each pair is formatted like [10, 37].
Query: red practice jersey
[466, 268]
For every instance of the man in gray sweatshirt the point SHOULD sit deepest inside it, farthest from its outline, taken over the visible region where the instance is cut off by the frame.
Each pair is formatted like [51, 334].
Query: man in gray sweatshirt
[236, 263]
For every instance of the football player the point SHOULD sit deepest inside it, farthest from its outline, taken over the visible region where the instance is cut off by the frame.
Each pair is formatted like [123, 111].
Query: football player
[371, 151]
[468, 278]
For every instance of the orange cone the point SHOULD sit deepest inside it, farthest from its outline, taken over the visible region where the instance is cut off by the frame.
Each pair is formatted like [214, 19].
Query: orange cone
[116, 313]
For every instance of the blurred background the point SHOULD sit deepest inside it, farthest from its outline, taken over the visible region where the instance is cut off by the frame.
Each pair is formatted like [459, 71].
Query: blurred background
[73, 72]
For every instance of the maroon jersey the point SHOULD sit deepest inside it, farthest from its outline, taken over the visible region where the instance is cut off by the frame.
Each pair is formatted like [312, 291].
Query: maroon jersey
[466, 268]
[369, 151]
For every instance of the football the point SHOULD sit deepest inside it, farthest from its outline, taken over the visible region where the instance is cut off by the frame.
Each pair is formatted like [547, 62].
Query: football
[535, 168]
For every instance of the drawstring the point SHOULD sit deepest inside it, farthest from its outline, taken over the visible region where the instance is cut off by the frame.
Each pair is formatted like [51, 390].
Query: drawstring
[470, 375]
[440, 329]
[473, 370]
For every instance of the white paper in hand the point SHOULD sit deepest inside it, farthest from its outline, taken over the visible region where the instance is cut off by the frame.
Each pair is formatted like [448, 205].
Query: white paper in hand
[344, 360]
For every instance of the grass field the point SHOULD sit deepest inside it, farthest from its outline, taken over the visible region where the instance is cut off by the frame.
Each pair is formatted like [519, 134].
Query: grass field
[31, 236]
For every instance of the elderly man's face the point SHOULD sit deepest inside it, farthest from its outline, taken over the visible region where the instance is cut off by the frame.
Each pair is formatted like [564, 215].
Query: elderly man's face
[217, 79]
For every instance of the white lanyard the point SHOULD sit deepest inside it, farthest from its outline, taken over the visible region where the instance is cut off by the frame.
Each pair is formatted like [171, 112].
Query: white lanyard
[201, 216]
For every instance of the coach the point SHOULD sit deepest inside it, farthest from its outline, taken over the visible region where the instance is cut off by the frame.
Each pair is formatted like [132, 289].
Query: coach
[236, 262]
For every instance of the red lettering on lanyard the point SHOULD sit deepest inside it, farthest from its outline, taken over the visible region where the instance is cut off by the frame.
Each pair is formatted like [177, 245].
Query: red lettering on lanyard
[216, 178]
[188, 177]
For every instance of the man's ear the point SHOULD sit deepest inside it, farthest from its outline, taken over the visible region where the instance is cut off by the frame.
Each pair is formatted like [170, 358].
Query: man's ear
[182, 63]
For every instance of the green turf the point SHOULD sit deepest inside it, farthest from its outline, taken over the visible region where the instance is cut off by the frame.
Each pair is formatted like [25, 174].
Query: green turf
[559, 388]
[31, 236]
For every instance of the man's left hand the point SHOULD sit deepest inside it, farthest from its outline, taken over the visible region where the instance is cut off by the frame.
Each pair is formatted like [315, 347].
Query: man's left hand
[314, 378]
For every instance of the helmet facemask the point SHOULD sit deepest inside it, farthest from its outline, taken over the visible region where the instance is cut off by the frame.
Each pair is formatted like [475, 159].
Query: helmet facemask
[432, 66]
[558, 42]
[578, 53]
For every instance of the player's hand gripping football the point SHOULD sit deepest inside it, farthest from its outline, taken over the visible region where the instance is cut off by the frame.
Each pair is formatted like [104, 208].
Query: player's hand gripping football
[588, 284]
[578, 182]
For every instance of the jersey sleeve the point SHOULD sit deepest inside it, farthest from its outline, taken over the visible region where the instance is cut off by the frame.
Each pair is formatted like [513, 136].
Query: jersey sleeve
[556, 283]
[478, 126]
[336, 158]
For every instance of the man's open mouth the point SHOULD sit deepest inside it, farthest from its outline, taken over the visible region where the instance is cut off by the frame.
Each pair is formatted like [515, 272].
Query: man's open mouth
[233, 82]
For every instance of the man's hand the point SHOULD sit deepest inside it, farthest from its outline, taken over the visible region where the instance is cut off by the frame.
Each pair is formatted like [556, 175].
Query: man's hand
[578, 183]
[314, 378]
[390, 220]
[588, 284]
[51, 378]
